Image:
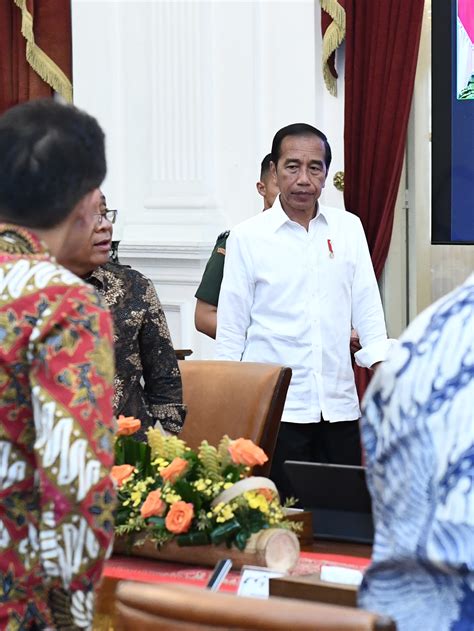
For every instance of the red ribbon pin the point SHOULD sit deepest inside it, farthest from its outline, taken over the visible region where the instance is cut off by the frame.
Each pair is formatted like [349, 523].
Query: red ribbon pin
[331, 251]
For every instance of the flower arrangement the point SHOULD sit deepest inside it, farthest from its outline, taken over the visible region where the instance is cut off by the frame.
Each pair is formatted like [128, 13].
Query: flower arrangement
[167, 491]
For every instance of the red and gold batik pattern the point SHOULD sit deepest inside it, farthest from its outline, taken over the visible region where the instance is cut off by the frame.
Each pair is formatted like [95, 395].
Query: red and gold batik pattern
[56, 496]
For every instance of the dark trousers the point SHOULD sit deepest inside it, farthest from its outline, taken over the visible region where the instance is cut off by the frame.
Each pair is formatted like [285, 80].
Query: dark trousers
[334, 443]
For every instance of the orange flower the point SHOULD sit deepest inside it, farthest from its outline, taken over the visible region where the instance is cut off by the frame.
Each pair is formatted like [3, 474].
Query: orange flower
[153, 505]
[175, 469]
[127, 425]
[179, 518]
[268, 494]
[120, 473]
[244, 451]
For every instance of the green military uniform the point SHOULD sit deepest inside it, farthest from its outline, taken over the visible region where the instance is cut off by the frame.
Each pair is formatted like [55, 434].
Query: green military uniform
[210, 287]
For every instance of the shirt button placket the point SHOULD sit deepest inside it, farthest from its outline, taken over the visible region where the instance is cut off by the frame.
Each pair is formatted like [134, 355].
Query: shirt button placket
[315, 310]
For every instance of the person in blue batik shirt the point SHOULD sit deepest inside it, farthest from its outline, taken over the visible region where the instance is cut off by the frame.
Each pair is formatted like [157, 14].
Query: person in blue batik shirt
[418, 434]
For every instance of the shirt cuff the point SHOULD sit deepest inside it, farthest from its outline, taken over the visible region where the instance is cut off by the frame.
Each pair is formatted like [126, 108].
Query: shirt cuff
[375, 352]
[170, 415]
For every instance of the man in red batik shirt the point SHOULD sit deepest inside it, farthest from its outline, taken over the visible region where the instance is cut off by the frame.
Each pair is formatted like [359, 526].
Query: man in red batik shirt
[56, 373]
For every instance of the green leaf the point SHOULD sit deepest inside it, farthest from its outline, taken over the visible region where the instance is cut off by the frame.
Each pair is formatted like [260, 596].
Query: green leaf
[121, 516]
[241, 539]
[225, 531]
[130, 451]
[232, 472]
[156, 521]
[119, 455]
[189, 494]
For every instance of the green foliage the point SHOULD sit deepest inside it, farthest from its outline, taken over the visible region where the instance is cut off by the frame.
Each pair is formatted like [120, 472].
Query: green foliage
[174, 448]
[156, 441]
[207, 455]
[223, 452]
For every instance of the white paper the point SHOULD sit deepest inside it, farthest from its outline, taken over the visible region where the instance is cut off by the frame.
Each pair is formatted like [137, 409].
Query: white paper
[254, 581]
[342, 575]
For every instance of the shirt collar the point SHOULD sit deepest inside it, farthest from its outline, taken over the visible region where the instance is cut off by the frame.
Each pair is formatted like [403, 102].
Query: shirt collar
[277, 216]
[19, 240]
[324, 213]
[96, 278]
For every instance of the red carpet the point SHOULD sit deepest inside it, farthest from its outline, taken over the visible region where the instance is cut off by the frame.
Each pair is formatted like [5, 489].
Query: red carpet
[151, 571]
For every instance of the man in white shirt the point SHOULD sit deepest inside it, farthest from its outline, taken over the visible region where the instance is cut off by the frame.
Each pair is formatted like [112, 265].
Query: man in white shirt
[296, 279]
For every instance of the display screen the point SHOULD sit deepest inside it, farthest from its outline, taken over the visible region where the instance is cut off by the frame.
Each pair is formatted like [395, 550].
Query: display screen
[453, 121]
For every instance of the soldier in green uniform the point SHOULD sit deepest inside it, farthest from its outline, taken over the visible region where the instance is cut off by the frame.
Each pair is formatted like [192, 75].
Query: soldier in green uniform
[207, 294]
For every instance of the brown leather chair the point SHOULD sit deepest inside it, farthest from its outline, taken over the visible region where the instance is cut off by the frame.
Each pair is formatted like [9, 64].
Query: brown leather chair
[184, 608]
[240, 399]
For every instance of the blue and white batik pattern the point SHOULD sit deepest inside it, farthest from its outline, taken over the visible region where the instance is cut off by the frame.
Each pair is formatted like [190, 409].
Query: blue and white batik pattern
[418, 434]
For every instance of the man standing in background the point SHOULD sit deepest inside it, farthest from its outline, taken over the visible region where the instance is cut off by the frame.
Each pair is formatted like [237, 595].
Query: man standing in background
[296, 279]
[207, 294]
[56, 373]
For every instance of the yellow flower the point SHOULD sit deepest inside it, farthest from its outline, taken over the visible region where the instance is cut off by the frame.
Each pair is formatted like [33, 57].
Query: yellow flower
[136, 497]
[172, 497]
[227, 513]
[160, 463]
[227, 485]
[257, 501]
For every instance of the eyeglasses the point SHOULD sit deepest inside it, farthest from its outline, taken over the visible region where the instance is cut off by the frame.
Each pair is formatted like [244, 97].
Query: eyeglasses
[110, 215]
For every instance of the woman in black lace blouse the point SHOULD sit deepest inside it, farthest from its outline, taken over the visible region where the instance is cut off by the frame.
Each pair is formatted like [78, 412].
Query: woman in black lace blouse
[147, 379]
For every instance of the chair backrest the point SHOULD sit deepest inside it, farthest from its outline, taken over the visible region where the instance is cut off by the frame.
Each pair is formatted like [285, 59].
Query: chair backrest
[241, 399]
[184, 608]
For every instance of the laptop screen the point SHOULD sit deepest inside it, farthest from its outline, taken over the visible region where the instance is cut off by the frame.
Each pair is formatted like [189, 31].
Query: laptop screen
[338, 497]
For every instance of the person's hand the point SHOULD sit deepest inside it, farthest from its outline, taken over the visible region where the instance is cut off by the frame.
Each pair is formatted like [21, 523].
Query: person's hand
[354, 342]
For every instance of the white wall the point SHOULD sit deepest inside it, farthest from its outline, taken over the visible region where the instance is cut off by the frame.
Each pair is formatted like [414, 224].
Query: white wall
[190, 94]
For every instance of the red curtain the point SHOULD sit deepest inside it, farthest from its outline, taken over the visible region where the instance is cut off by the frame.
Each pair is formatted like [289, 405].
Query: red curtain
[49, 50]
[382, 40]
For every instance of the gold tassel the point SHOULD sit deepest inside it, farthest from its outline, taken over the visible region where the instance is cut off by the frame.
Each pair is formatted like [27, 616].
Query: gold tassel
[333, 38]
[43, 65]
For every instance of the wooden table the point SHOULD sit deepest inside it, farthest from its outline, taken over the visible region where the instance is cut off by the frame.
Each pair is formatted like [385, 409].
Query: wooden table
[310, 587]
[300, 587]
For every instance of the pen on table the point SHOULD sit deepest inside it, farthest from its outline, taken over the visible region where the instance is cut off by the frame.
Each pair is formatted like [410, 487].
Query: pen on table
[221, 569]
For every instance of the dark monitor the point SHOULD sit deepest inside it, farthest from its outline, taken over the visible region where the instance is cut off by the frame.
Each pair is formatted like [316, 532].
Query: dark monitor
[452, 195]
[338, 497]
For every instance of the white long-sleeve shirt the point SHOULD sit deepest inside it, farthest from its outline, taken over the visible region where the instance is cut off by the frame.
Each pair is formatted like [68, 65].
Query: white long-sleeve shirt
[290, 296]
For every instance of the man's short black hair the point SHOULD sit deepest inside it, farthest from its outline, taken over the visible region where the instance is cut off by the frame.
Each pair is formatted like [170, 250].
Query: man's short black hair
[265, 166]
[51, 155]
[299, 129]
